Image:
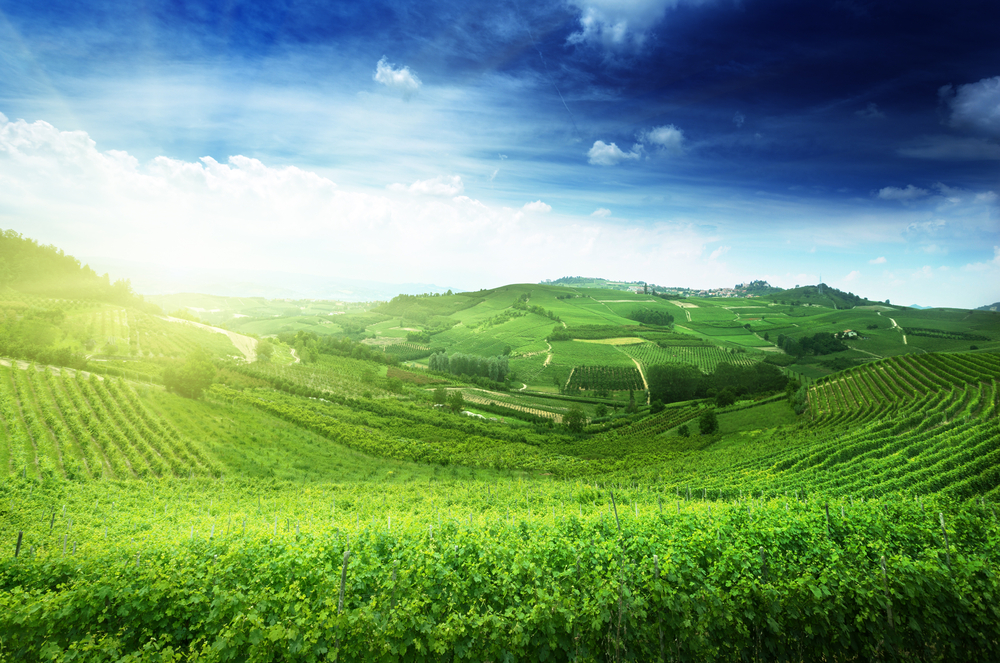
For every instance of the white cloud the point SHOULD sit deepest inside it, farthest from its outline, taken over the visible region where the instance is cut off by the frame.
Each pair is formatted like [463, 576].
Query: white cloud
[975, 106]
[668, 137]
[988, 197]
[871, 112]
[401, 80]
[242, 213]
[895, 193]
[444, 185]
[604, 154]
[537, 206]
[601, 211]
[739, 118]
[986, 266]
[877, 261]
[952, 148]
[852, 276]
[615, 24]
[719, 252]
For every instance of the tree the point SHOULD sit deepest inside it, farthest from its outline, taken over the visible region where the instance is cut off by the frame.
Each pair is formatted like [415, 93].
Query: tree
[192, 377]
[264, 351]
[456, 401]
[683, 431]
[708, 422]
[601, 411]
[725, 397]
[440, 396]
[632, 407]
[656, 406]
[575, 419]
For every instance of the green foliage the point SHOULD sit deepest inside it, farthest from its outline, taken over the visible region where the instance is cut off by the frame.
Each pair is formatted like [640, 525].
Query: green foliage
[192, 377]
[657, 317]
[683, 431]
[440, 396]
[725, 397]
[708, 422]
[265, 350]
[575, 419]
[456, 401]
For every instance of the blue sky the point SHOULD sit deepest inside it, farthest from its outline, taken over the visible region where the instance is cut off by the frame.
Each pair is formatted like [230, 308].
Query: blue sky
[471, 144]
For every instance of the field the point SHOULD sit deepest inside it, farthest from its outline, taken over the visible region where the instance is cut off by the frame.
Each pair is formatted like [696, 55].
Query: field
[321, 505]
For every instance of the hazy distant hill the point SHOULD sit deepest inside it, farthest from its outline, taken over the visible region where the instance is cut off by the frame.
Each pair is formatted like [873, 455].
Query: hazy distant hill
[995, 306]
[158, 280]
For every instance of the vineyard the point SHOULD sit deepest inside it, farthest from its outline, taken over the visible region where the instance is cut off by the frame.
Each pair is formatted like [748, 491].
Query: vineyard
[153, 336]
[605, 378]
[490, 570]
[82, 427]
[325, 509]
[888, 383]
[706, 358]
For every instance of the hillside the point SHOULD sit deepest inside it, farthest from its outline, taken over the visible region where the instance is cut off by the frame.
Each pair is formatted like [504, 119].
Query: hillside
[580, 468]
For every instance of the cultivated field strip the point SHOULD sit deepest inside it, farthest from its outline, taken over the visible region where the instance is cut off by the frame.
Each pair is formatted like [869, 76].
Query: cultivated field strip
[885, 383]
[494, 569]
[80, 428]
[706, 358]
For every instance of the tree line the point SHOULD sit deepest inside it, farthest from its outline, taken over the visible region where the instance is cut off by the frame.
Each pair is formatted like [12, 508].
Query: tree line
[494, 368]
[671, 383]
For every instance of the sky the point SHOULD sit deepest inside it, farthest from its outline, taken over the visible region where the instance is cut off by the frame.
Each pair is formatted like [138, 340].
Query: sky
[695, 143]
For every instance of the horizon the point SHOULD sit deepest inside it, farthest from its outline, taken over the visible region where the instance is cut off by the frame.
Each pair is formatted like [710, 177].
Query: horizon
[685, 143]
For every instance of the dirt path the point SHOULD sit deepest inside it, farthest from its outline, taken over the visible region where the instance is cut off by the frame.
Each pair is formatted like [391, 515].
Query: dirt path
[295, 356]
[894, 326]
[245, 344]
[645, 385]
[548, 357]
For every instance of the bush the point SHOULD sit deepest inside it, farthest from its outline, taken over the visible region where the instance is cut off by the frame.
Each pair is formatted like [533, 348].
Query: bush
[708, 422]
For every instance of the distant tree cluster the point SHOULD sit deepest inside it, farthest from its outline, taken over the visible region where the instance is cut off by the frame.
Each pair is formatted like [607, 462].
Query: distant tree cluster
[651, 317]
[494, 368]
[671, 383]
[823, 343]
[521, 303]
[28, 266]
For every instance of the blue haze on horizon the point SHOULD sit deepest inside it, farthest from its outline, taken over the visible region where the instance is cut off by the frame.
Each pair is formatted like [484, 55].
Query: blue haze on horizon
[694, 143]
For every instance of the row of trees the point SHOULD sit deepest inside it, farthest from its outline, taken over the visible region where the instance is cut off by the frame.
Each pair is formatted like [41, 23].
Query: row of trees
[823, 343]
[652, 317]
[671, 383]
[495, 368]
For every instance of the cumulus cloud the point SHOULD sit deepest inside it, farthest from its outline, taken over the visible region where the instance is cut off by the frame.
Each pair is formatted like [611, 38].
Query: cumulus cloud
[739, 118]
[537, 206]
[400, 80]
[895, 193]
[443, 185]
[619, 25]
[58, 187]
[668, 137]
[877, 261]
[605, 154]
[852, 276]
[975, 106]
[601, 211]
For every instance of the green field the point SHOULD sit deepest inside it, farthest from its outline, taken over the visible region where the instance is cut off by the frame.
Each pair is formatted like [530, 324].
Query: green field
[326, 504]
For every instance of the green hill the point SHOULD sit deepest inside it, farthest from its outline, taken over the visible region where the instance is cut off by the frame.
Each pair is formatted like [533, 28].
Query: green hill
[336, 499]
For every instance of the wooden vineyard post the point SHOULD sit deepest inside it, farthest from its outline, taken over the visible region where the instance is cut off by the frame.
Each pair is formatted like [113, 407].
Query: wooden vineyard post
[340, 599]
[613, 506]
[17, 548]
[659, 624]
[826, 507]
[763, 564]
